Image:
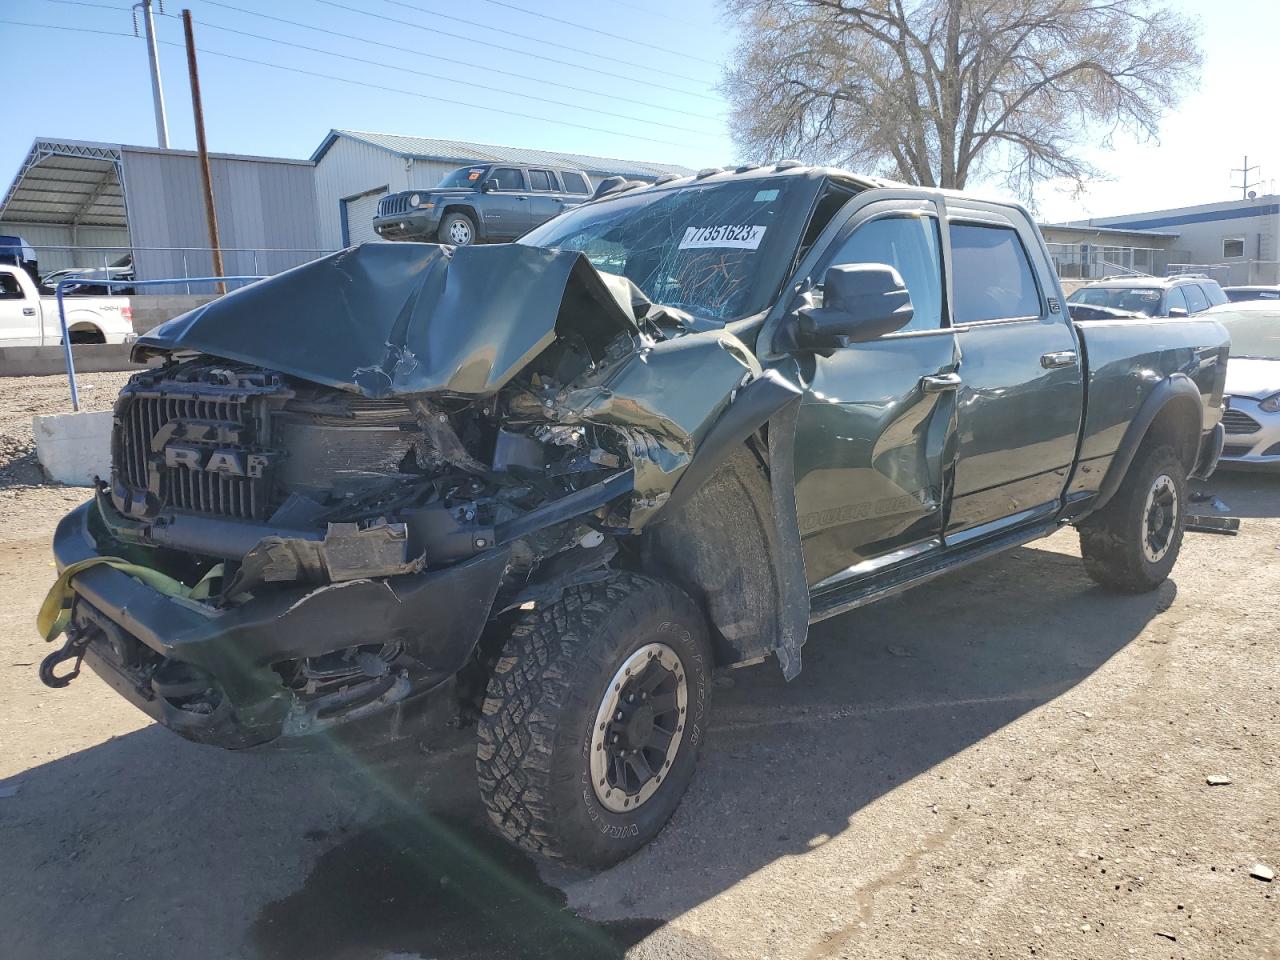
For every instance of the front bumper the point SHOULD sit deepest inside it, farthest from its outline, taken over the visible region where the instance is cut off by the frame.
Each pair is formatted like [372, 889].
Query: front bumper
[1252, 449]
[150, 647]
[412, 225]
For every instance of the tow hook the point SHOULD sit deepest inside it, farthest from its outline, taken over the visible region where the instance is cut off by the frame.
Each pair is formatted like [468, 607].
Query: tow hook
[72, 649]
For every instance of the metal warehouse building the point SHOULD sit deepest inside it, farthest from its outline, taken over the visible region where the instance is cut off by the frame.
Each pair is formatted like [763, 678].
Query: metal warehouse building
[85, 204]
[355, 169]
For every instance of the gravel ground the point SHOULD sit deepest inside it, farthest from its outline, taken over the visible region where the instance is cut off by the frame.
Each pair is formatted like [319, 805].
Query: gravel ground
[24, 491]
[1006, 763]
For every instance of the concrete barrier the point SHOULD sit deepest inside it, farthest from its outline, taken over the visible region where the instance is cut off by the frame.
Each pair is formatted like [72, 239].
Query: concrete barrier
[43, 361]
[73, 448]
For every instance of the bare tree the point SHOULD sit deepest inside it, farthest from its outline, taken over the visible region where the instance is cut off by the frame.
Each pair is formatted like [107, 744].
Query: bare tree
[938, 91]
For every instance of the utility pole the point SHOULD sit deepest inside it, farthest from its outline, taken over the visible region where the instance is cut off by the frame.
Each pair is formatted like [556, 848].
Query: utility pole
[1244, 177]
[157, 89]
[202, 148]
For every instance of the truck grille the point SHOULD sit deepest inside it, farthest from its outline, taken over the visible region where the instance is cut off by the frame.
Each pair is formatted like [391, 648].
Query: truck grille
[1237, 421]
[395, 204]
[179, 448]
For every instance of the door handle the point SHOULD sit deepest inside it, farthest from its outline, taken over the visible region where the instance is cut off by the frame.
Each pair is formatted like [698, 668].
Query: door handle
[1059, 358]
[941, 382]
[28, 311]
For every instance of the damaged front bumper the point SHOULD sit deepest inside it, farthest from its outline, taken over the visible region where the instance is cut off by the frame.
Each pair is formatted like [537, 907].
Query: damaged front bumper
[158, 650]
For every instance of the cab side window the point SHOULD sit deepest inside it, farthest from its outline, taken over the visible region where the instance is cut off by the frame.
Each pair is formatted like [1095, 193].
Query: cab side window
[509, 178]
[541, 180]
[1196, 300]
[9, 288]
[992, 276]
[573, 182]
[913, 246]
[1177, 301]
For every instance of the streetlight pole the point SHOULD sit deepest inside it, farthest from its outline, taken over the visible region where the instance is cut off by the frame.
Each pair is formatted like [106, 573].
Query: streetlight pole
[157, 88]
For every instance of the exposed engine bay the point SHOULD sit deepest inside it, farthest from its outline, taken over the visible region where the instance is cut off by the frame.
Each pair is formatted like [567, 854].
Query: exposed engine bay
[432, 447]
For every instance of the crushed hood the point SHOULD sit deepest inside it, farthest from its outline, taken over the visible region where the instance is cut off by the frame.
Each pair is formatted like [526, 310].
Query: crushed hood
[384, 319]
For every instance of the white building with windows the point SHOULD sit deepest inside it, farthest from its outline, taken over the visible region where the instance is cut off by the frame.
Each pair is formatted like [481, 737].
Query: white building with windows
[1235, 241]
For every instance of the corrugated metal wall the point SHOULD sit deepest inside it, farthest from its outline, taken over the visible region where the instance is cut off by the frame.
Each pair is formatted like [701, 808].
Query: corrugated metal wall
[349, 169]
[42, 236]
[262, 206]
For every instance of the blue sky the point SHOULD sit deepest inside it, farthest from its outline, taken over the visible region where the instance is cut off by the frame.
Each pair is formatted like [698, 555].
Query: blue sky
[664, 102]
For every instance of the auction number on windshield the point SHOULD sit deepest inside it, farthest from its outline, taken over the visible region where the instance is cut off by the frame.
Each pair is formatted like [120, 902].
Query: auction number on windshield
[742, 236]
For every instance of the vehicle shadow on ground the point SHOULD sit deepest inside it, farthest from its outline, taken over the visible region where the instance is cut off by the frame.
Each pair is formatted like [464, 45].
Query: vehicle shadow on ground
[1246, 494]
[147, 846]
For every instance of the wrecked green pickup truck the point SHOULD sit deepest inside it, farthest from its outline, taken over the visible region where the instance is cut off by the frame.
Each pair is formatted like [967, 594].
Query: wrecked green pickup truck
[543, 489]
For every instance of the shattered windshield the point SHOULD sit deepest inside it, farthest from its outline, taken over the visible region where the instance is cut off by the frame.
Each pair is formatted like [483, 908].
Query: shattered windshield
[714, 250]
[1144, 301]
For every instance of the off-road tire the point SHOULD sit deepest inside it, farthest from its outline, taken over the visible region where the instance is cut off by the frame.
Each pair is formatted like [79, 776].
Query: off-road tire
[540, 711]
[1111, 541]
[449, 219]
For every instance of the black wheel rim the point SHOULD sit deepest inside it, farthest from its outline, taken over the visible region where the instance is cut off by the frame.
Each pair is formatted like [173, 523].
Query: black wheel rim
[639, 728]
[1160, 519]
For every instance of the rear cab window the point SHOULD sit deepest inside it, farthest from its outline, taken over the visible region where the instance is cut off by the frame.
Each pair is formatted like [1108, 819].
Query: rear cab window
[574, 182]
[991, 274]
[543, 180]
[1214, 292]
[1196, 300]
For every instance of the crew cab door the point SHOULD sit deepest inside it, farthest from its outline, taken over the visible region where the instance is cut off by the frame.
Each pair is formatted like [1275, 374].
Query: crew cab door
[1021, 394]
[505, 206]
[874, 427]
[19, 310]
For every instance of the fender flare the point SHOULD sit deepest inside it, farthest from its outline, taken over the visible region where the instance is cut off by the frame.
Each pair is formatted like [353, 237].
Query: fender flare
[773, 400]
[1175, 390]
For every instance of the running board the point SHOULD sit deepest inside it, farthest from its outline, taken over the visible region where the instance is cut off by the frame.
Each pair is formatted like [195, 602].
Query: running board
[864, 590]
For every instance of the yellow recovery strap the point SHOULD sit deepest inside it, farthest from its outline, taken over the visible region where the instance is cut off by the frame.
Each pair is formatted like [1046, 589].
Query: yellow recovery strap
[55, 612]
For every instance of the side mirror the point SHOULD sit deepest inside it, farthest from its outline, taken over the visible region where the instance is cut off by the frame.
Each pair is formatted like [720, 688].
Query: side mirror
[860, 302]
[489, 186]
[1178, 311]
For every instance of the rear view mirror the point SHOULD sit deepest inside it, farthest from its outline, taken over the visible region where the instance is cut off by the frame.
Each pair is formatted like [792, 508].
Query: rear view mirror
[860, 302]
[489, 186]
[1177, 311]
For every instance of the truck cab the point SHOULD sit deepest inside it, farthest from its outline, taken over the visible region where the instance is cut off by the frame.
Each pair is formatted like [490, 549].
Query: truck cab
[486, 202]
[547, 487]
[29, 320]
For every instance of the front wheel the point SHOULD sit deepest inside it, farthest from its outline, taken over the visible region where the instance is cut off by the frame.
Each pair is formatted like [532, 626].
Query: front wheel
[1132, 543]
[457, 229]
[593, 719]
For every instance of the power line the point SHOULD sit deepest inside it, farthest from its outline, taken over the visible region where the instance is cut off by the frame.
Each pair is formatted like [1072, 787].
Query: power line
[436, 76]
[522, 36]
[603, 33]
[415, 51]
[426, 96]
[358, 83]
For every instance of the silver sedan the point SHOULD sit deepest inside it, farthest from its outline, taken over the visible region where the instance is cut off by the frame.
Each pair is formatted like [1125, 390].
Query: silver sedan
[1252, 423]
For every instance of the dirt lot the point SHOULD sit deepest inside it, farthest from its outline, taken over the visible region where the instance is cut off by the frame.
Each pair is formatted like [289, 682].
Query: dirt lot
[1008, 763]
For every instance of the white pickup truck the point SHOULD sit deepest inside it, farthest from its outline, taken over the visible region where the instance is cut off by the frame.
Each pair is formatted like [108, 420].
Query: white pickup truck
[30, 320]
